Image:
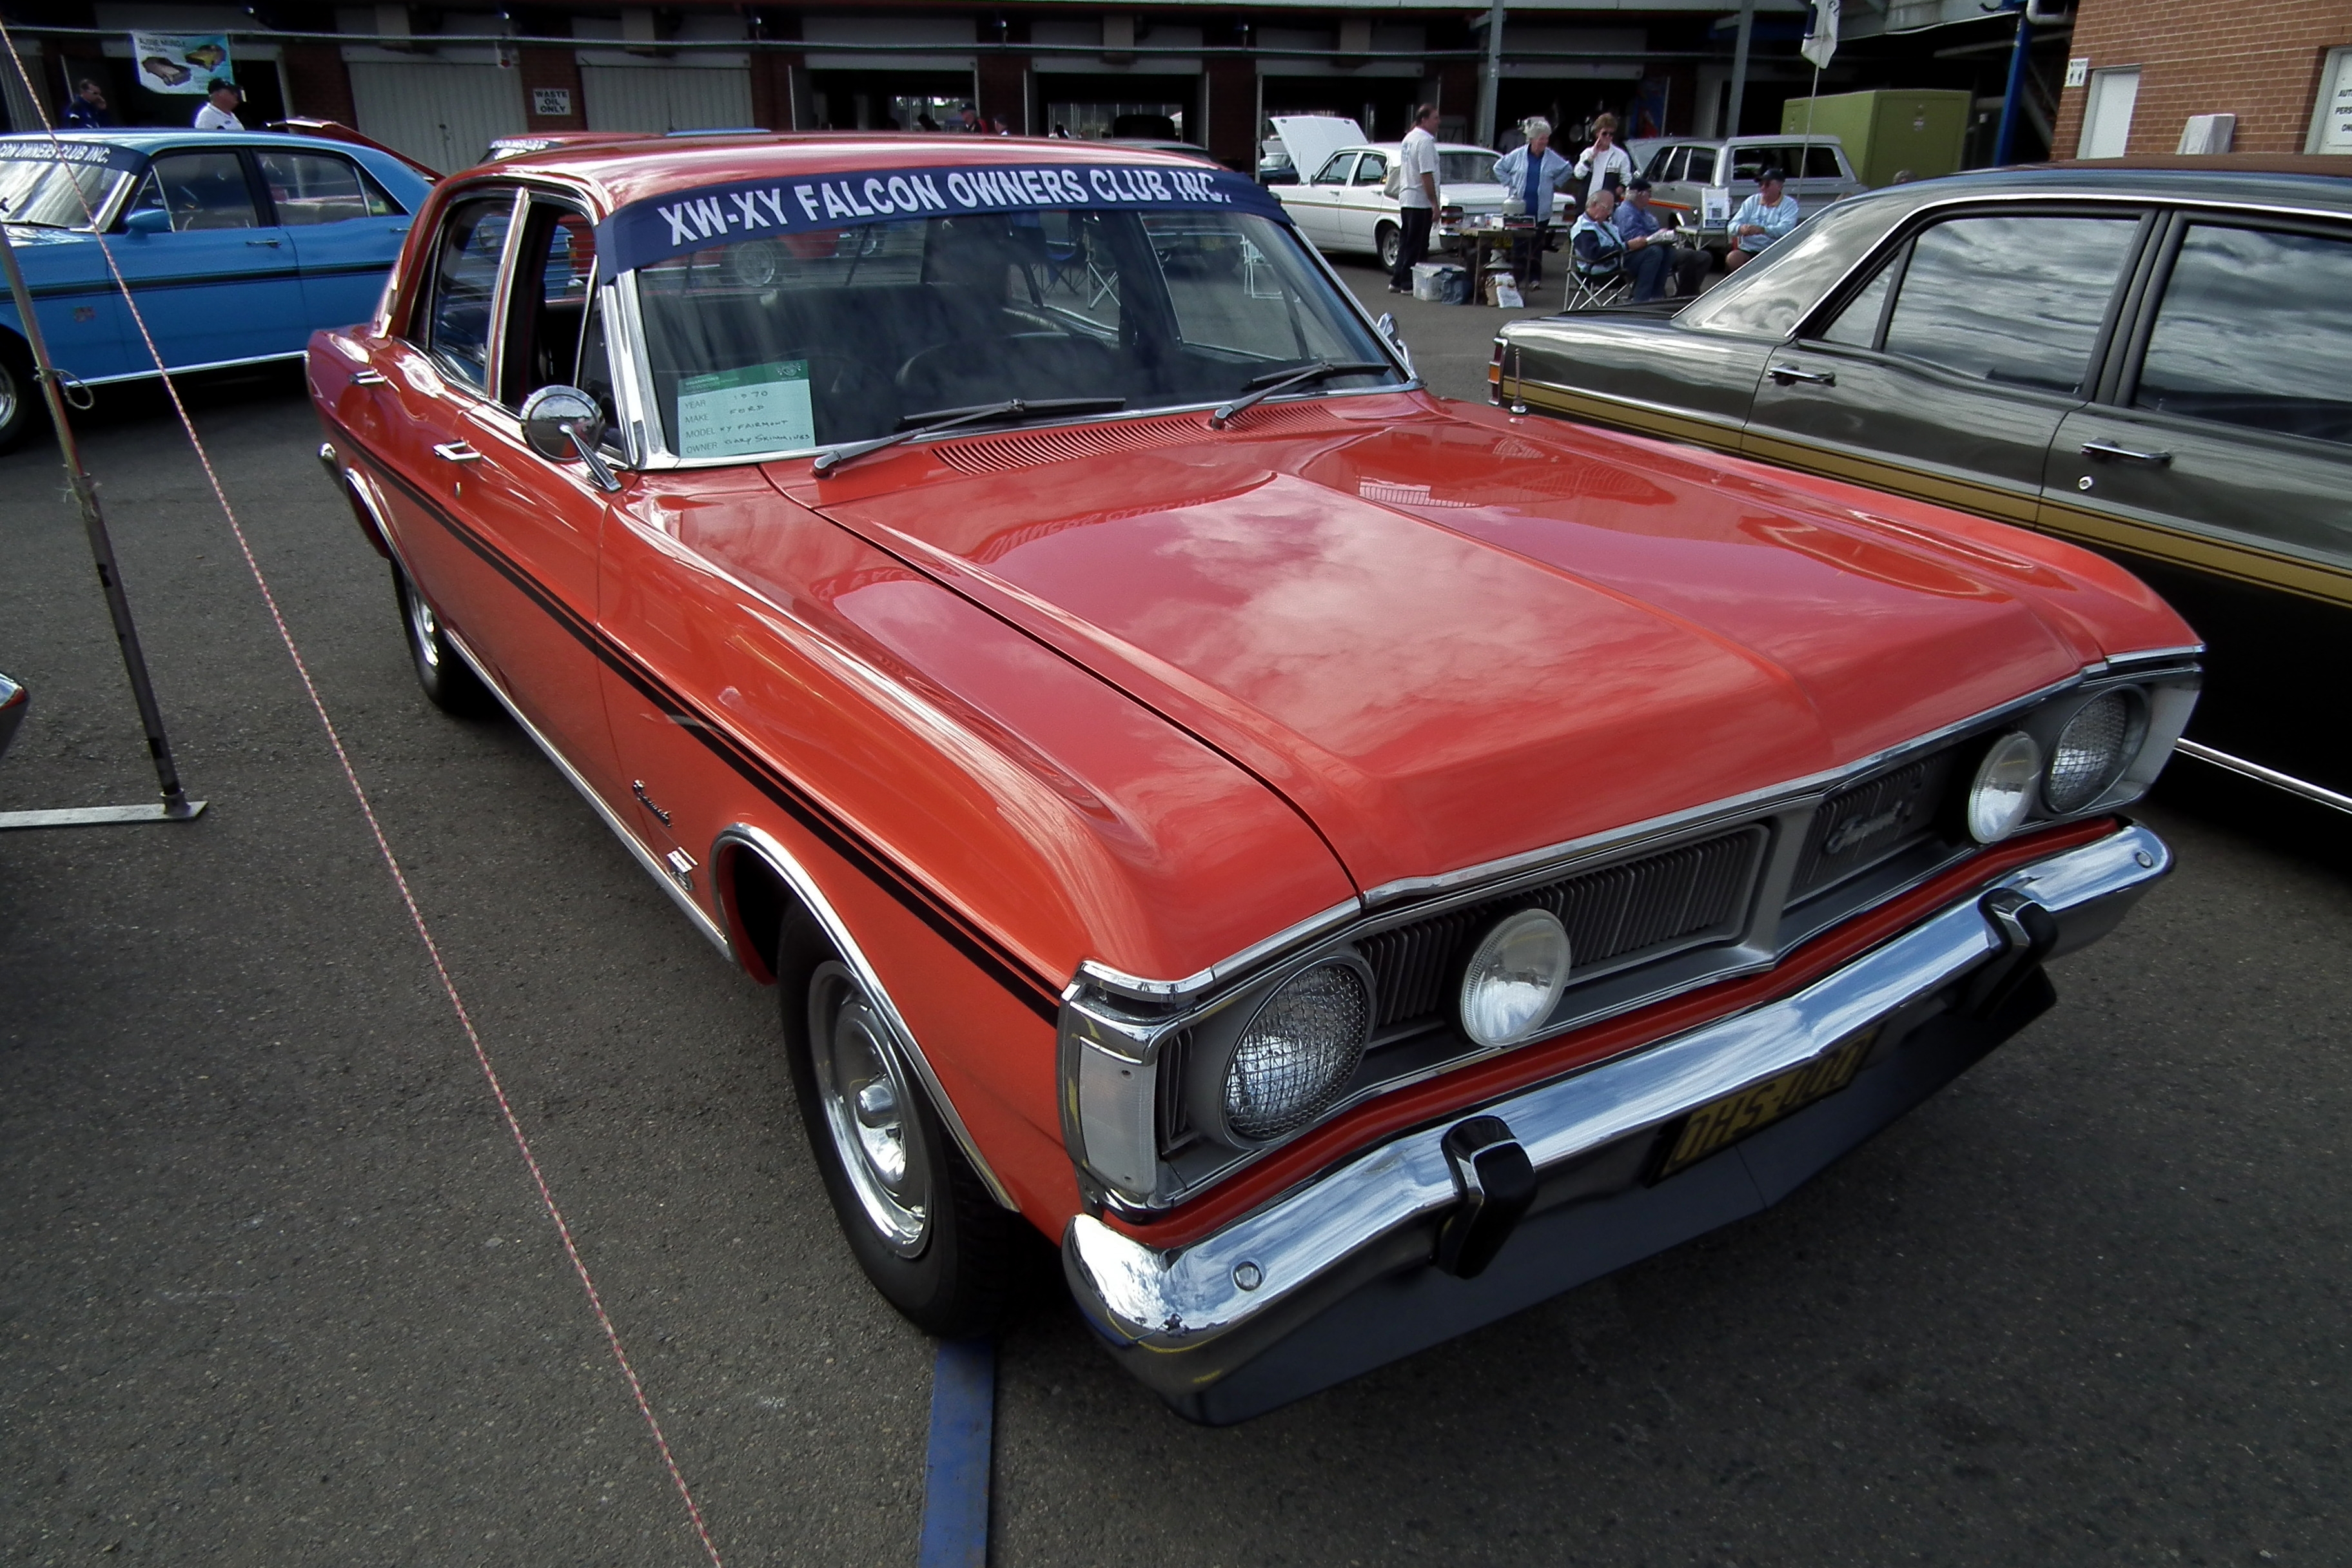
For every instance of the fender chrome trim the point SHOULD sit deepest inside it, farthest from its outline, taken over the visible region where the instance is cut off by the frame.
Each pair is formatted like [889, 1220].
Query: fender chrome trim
[783, 863]
[1180, 1298]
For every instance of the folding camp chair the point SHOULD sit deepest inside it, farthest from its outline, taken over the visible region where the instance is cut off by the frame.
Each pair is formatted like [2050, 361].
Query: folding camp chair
[1584, 293]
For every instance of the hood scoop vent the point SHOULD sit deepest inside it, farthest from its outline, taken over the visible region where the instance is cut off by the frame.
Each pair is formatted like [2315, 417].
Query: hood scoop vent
[1027, 448]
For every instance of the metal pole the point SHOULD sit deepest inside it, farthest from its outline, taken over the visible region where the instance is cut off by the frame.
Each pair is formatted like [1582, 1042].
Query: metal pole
[1739, 68]
[2014, 98]
[1490, 76]
[176, 804]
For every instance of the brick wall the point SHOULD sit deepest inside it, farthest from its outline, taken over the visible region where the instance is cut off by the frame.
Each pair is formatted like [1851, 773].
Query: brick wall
[1232, 136]
[558, 67]
[318, 84]
[2259, 62]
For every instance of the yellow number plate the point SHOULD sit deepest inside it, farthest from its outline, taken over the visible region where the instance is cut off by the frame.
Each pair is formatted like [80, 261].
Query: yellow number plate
[1713, 1127]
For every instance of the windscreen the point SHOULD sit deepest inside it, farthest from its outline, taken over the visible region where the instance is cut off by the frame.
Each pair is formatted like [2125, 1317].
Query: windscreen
[51, 194]
[1466, 169]
[787, 342]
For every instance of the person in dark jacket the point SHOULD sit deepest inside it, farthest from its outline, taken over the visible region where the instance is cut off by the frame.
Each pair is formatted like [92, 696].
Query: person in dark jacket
[87, 111]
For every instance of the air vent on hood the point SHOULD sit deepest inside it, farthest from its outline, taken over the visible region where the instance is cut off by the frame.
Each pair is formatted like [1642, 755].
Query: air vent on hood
[1025, 448]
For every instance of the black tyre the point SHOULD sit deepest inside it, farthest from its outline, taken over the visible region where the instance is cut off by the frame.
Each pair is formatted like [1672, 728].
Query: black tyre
[917, 1216]
[1390, 240]
[449, 682]
[21, 409]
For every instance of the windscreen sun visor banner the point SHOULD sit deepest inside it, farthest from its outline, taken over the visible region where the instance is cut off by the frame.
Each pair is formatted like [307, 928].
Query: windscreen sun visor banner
[658, 228]
[67, 150]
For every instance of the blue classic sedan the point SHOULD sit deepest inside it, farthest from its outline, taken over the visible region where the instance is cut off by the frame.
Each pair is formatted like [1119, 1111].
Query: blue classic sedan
[236, 246]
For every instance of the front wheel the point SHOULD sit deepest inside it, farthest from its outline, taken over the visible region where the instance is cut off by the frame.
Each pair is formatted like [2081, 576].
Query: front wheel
[20, 394]
[916, 1214]
[449, 682]
[1391, 240]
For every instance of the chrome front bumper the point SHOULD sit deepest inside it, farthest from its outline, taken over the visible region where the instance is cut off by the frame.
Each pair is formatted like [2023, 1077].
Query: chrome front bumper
[1335, 1276]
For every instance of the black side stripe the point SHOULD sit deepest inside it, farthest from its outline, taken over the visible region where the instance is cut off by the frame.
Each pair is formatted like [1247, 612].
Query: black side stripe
[1033, 992]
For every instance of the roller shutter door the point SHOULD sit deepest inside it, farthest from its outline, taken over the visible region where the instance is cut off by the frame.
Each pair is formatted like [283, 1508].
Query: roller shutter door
[667, 97]
[442, 114]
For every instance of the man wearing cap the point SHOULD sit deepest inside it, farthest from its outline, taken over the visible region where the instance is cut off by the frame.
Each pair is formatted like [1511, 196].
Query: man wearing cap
[219, 112]
[1762, 218]
[1650, 251]
[1532, 173]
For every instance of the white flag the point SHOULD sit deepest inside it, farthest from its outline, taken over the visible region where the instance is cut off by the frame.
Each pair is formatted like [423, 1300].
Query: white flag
[1821, 34]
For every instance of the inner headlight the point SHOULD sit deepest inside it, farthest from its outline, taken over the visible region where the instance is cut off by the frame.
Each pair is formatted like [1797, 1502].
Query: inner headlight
[2091, 751]
[1299, 1052]
[1515, 978]
[2004, 791]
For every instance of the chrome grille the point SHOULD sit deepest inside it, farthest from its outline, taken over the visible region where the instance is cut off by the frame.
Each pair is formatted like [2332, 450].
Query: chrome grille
[1864, 824]
[1628, 913]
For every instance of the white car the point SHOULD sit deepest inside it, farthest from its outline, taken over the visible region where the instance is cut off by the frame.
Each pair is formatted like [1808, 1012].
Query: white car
[1342, 207]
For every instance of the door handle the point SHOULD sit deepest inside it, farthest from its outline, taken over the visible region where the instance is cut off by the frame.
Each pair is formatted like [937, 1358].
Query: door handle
[273, 244]
[2124, 454]
[368, 378]
[402, 229]
[1785, 373]
[457, 452]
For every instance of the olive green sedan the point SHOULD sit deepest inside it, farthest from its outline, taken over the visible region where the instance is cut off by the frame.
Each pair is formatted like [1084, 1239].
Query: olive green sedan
[2150, 359]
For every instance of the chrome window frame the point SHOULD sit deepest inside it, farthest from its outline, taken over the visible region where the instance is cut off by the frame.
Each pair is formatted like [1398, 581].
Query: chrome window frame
[1129, 1020]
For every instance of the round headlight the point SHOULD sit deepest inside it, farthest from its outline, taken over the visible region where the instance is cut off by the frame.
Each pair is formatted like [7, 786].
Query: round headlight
[1299, 1053]
[1515, 978]
[2090, 753]
[2004, 792]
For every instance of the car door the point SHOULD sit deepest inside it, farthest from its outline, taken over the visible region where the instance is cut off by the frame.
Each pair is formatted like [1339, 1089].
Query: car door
[1315, 206]
[345, 229]
[1365, 206]
[2218, 466]
[1944, 373]
[218, 284]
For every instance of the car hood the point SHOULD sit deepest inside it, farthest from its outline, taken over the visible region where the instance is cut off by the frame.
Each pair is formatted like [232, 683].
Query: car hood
[1447, 641]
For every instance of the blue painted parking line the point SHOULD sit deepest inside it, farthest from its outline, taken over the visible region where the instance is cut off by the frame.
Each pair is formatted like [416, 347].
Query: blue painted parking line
[955, 1472]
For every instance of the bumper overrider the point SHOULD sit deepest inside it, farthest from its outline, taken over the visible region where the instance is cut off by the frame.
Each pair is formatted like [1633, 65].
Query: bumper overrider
[1444, 1230]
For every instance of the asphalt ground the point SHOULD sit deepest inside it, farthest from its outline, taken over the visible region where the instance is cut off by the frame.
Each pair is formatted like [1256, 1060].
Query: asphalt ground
[278, 1287]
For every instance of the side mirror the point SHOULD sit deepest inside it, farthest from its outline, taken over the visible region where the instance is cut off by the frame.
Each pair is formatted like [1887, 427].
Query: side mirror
[563, 424]
[147, 220]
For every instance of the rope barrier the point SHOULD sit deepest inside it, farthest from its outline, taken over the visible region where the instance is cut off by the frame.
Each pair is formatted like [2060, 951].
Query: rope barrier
[384, 846]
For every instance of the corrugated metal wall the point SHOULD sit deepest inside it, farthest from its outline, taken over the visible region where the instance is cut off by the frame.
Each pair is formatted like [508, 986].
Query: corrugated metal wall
[667, 97]
[442, 114]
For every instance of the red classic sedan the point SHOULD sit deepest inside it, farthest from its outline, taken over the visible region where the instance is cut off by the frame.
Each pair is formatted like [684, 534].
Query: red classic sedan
[1345, 865]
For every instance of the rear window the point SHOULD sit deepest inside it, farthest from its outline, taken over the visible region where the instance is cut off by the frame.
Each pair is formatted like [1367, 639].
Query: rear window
[2255, 330]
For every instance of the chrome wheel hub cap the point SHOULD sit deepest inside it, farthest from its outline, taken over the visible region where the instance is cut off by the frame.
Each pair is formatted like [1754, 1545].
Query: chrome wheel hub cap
[862, 1081]
[424, 628]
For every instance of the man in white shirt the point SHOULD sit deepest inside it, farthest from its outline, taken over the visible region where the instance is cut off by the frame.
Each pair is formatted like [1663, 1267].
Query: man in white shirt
[1417, 201]
[1605, 158]
[219, 112]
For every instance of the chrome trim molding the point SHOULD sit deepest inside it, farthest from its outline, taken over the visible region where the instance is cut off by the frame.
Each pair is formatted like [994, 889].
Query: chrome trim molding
[2262, 774]
[645, 858]
[1144, 990]
[189, 369]
[758, 841]
[1182, 1298]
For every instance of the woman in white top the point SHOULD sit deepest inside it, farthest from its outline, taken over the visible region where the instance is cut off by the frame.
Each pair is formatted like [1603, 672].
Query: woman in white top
[1604, 158]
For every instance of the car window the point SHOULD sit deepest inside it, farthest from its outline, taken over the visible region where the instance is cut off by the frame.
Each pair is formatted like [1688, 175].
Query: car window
[1466, 169]
[1747, 163]
[1702, 166]
[554, 272]
[1769, 295]
[200, 189]
[1335, 173]
[2255, 330]
[2011, 300]
[319, 187]
[1373, 170]
[1821, 163]
[1857, 324]
[1656, 169]
[464, 281]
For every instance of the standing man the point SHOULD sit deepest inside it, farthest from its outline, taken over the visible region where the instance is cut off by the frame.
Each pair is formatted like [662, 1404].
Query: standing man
[1652, 250]
[1604, 158]
[219, 112]
[87, 111]
[1417, 201]
[968, 121]
[1761, 219]
[1532, 172]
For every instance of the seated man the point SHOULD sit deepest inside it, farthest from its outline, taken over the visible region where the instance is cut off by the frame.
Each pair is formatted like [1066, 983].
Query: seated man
[1596, 251]
[1762, 218]
[1652, 251]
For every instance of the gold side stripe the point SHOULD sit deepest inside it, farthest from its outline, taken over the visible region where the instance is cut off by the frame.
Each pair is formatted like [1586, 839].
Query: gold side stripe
[1988, 500]
[2238, 563]
[1626, 416]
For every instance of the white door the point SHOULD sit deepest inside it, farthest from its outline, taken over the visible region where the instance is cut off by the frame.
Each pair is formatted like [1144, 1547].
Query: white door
[2107, 115]
[441, 114]
[655, 98]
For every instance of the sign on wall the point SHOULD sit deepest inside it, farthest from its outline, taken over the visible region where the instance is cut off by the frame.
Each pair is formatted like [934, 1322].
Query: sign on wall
[550, 103]
[181, 63]
[2335, 111]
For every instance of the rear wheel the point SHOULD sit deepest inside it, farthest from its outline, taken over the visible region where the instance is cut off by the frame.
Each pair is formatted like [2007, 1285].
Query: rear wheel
[20, 394]
[449, 682]
[1391, 240]
[916, 1214]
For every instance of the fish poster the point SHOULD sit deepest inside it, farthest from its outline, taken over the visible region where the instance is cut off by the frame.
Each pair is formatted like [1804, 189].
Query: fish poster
[182, 63]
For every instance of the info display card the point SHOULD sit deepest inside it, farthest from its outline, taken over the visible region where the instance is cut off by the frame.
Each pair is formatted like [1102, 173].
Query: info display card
[758, 408]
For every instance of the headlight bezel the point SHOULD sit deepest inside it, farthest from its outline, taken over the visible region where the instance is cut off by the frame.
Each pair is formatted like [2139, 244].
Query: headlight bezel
[2135, 702]
[1212, 1052]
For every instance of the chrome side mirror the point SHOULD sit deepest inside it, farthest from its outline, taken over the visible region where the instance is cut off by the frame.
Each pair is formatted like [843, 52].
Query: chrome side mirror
[563, 424]
[1387, 327]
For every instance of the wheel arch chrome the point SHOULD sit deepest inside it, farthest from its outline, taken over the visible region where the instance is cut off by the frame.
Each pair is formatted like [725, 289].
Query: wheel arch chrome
[740, 839]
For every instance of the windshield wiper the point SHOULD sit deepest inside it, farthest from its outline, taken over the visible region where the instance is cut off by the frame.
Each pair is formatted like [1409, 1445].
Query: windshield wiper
[916, 426]
[1258, 388]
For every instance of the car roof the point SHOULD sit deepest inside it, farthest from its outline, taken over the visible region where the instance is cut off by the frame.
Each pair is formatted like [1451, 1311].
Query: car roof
[153, 142]
[619, 173]
[1823, 137]
[2315, 181]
